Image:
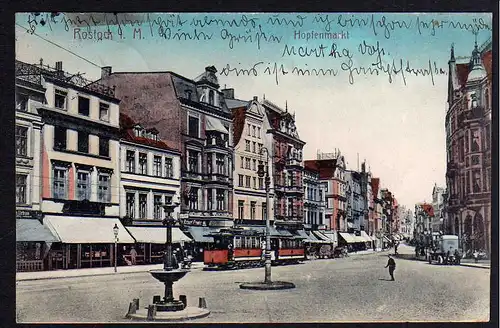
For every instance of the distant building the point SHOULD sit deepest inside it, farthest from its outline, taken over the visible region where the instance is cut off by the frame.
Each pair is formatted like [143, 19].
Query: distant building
[438, 206]
[314, 200]
[288, 167]
[468, 145]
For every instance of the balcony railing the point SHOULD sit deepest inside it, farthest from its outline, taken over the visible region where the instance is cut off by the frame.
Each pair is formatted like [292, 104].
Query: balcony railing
[29, 266]
[33, 73]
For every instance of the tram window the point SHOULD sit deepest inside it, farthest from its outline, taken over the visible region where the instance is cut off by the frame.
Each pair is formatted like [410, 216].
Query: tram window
[255, 242]
[237, 242]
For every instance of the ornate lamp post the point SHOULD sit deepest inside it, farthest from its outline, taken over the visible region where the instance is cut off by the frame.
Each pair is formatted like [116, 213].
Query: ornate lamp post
[267, 284]
[115, 232]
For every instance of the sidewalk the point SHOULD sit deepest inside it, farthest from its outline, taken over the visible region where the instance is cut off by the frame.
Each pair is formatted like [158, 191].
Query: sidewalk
[484, 264]
[73, 273]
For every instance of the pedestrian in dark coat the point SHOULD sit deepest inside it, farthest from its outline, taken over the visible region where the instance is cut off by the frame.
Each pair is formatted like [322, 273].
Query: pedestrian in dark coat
[392, 266]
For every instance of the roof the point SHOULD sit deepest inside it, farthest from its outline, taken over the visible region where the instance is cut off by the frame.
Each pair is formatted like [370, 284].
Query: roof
[375, 183]
[127, 133]
[487, 61]
[238, 123]
[235, 103]
[464, 69]
[428, 209]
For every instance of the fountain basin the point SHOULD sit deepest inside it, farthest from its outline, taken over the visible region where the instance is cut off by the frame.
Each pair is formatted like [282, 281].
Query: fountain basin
[168, 276]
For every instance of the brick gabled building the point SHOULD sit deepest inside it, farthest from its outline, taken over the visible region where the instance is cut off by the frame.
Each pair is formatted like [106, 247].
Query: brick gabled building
[191, 115]
[288, 167]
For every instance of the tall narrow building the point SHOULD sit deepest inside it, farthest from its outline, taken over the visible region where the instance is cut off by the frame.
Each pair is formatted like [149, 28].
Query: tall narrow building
[468, 148]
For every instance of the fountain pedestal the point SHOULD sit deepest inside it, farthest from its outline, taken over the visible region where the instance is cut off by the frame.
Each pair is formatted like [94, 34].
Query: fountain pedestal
[168, 278]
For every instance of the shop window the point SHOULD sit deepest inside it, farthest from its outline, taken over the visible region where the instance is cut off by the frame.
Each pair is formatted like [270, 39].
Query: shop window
[60, 99]
[220, 200]
[22, 101]
[83, 185]
[143, 206]
[104, 188]
[83, 142]
[193, 199]
[104, 112]
[21, 141]
[219, 161]
[130, 205]
[194, 127]
[104, 146]
[60, 183]
[143, 163]
[157, 207]
[21, 189]
[157, 166]
[83, 106]
[60, 138]
[253, 206]
[193, 161]
[169, 170]
[130, 161]
[241, 209]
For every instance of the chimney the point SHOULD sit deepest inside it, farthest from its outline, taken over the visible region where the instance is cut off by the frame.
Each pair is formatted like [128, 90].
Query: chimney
[255, 98]
[105, 71]
[211, 69]
[228, 93]
[59, 66]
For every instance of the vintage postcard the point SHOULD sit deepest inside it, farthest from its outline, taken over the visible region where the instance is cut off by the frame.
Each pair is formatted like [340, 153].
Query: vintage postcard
[253, 167]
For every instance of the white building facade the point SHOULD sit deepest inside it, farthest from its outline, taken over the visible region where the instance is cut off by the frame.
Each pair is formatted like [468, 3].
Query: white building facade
[150, 175]
[252, 142]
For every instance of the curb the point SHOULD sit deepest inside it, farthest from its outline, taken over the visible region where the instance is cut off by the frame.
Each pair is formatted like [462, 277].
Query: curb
[471, 265]
[84, 275]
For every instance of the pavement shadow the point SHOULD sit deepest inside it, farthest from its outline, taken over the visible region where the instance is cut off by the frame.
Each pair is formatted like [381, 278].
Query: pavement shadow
[383, 279]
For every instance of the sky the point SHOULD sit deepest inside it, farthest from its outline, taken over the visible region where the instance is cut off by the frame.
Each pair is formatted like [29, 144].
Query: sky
[357, 82]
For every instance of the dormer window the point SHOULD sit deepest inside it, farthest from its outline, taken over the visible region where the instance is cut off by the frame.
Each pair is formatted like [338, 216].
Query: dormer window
[188, 94]
[138, 131]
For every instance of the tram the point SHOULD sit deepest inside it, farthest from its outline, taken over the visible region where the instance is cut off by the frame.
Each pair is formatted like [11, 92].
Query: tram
[236, 248]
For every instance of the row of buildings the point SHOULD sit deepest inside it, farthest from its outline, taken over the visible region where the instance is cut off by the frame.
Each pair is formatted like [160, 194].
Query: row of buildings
[463, 207]
[96, 155]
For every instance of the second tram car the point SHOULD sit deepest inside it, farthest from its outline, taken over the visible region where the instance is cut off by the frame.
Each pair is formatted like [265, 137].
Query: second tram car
[240, 248]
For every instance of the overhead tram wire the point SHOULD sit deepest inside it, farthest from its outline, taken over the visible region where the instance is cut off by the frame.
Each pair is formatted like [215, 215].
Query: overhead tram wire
[61, 47]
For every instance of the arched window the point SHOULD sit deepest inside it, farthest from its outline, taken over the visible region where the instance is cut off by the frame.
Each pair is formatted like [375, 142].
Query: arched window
[211, 97]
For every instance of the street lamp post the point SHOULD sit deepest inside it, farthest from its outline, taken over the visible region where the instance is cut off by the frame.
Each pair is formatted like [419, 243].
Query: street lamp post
[115, 232]
[267, 181]
[267, 284]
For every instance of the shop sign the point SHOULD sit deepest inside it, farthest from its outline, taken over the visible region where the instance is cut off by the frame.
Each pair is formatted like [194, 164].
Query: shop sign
[195, 222]
[28, 214]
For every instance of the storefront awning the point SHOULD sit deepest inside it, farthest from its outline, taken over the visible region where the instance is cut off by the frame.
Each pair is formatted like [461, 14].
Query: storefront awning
[349, 238]
[199, 234]
[157, 235]
[272, 231]
[332, 235]
[321, 236]
[33, 230]
[86, 230]
[214, 124]
[366, 237]
[284, 233]
[302, 235]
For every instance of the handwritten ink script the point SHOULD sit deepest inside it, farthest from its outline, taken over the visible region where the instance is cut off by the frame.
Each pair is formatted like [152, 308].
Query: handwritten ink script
[320, 39]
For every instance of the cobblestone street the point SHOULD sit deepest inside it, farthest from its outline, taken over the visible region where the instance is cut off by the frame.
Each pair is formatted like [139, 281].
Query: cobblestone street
[356, 288]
